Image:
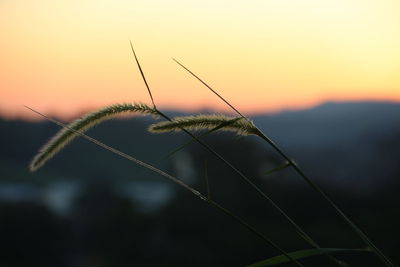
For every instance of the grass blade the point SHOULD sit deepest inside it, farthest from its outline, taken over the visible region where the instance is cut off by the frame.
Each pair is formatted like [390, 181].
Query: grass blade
[209, 87]
[305, 236]
[216, 154]
[141, 72]
[301, 254]
[357, 230]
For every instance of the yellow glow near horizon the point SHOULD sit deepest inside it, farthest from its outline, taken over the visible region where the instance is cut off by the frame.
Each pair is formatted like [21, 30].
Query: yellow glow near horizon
[64, 57]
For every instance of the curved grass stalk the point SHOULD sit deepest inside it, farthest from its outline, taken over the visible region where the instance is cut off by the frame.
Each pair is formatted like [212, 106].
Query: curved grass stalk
[205, 122]
[65, 135]
[176, 181]
[299, 230]
[313, 185]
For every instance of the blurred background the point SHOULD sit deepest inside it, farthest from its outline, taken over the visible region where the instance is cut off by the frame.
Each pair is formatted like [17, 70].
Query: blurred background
[88, 207]
[319, 77]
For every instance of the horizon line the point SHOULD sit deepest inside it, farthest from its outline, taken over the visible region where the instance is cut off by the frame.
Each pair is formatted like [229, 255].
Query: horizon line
[27, 116]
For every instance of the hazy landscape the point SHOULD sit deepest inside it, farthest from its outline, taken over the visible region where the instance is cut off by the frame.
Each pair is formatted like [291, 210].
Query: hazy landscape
[320, 78]
[88, 207]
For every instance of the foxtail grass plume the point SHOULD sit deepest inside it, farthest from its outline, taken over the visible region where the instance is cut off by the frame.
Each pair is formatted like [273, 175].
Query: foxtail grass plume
[66, 135]
[239, 125]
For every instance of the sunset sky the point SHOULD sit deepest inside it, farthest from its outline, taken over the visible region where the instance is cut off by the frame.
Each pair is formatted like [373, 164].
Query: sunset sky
[64, 57]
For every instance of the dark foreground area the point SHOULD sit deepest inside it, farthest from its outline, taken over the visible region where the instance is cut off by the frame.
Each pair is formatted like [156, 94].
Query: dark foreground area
[88, 207]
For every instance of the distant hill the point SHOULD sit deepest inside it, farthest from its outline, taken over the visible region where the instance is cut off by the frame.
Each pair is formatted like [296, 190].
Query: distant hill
[89, 204]
[348, 143]
[331, 122]
[352, 142]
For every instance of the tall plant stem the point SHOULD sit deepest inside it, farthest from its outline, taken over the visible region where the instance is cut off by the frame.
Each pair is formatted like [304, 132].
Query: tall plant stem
[358, 231]
[176, 181]
[300, 231]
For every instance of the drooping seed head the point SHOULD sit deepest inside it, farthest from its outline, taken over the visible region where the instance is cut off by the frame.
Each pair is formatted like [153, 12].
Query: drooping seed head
[66, 135]
[239, 125]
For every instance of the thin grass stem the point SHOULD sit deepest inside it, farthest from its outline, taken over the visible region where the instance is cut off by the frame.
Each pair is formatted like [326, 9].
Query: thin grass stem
[141, 72]
[357, 230]
[301, 232]
[174, 180]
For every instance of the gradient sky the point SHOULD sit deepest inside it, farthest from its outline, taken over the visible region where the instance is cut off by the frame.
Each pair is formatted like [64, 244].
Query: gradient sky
[64, 57]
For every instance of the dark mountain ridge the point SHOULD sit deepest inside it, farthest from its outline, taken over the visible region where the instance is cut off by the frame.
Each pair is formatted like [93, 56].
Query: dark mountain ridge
[334, 141]
[87, 203]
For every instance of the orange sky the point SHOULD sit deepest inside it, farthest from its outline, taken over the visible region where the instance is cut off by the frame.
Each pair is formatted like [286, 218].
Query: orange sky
[63, 57]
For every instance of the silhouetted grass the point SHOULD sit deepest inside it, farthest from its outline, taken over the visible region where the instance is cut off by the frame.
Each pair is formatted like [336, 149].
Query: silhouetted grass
[208, 123]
